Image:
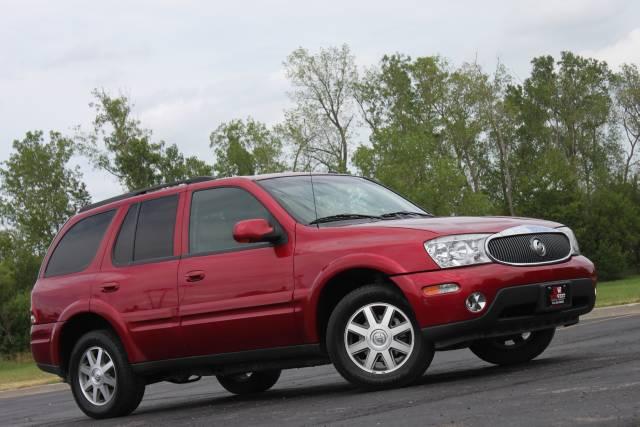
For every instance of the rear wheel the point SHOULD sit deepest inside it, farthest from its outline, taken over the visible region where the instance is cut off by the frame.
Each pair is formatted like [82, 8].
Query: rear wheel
[249, 382]
[374, 341]
[513, 349]
[102, 381]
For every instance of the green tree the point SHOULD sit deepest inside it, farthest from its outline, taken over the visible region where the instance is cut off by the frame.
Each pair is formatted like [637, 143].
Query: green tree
[627, 93]
[18, 272]
[568, 109]
[460, 112]
[246, 147]
[609, 230]
[299, 138]
[414, 148]
[325, 110]
[39, 189]
[500, 120]
[119, 145]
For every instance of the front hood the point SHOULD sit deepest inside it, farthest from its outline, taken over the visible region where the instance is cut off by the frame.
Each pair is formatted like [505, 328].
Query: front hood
[459, 224]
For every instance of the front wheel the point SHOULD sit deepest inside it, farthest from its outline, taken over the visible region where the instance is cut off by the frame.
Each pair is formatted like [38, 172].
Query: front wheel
[249, 382]
[102, 381]
[374, 341]
[513, 349]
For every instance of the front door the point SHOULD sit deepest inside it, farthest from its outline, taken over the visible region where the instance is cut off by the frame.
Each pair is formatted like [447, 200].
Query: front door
[233, 296]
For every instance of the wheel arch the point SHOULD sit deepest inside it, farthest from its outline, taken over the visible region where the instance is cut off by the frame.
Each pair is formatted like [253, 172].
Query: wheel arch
[74, 328]
[343, 277]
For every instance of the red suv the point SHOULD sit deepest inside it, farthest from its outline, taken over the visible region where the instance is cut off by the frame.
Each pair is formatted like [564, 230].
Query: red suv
[243, 277]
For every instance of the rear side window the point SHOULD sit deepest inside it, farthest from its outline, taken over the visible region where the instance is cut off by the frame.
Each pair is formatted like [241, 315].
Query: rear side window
[154, 234]
[214, 212]
[147, 231]
[123, 249]
[79, 245]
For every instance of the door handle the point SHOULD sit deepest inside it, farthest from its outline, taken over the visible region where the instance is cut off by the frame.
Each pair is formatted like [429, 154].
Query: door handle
[194, 276]
[110, 287]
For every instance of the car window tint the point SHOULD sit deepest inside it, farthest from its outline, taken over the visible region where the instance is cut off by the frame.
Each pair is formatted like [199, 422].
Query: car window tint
[154, 233]
[123, 249]
[308, 198]
[295, 194]
[214, 213]
[79, 245]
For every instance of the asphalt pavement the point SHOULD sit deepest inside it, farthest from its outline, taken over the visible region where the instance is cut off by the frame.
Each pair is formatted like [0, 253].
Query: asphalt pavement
[590, 375]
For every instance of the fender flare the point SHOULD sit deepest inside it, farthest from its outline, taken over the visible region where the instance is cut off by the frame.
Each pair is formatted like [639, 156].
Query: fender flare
[114, 318]
[368, 261]
[76, 308]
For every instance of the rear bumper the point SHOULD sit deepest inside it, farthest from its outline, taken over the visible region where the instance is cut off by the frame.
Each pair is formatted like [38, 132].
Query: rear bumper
[44, 346]
[513, 310]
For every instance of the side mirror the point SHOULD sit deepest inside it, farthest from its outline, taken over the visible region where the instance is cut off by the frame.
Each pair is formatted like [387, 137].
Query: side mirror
[255, 230]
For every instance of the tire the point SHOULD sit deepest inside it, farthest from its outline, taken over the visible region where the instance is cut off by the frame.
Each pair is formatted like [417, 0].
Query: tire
[379, 356]
[513, 349]
[249, 382]
[124, 390]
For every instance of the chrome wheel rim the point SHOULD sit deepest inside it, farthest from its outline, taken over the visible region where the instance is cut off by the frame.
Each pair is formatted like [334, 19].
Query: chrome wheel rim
[379, 338]
[97, 376]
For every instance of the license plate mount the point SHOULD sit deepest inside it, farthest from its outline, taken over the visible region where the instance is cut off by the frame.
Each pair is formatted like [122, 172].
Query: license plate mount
[556, 296]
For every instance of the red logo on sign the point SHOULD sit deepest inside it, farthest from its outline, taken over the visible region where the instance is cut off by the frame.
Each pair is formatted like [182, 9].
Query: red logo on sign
[557, 295]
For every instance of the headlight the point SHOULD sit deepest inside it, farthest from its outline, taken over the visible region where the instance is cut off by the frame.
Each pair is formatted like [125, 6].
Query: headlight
[456, 251]
[575, 249]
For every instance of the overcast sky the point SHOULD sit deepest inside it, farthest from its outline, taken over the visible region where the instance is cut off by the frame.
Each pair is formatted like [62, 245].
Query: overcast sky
[189, 66]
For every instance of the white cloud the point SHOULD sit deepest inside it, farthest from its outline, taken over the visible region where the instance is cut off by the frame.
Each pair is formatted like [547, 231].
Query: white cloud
[551, 13]
[189, 65]
[624, 50]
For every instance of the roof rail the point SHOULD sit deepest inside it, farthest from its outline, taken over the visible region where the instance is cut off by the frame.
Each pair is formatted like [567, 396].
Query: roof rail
[146, 190]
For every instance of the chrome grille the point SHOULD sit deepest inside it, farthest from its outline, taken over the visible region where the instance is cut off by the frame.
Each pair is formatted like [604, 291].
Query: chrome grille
[518, 249]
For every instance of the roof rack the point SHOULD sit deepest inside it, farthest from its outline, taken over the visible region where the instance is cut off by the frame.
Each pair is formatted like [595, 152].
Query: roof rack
[146, 190]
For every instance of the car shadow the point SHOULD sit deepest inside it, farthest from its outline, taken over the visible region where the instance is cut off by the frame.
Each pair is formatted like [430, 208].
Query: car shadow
[492, 370]
[343, 389]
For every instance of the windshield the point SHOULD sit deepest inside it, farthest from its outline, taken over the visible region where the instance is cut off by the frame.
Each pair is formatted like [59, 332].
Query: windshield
[336, 198]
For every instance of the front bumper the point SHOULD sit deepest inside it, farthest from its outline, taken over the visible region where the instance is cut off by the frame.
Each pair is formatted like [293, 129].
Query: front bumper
[514, 310]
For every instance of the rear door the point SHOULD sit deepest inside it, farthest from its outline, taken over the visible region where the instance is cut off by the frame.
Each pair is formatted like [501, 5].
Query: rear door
[138, 279]
[233, 296]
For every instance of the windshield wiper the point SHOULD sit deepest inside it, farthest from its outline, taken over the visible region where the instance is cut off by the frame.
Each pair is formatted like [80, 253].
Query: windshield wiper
[341, 217]
[404, 213]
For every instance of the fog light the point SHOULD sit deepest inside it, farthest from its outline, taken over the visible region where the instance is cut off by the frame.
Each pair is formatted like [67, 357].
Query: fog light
[476, 302]
[445, 288]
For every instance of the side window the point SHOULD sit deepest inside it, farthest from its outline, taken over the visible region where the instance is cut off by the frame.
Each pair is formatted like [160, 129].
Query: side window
[295, 194]
[147, 231]
[156, 224]
[214, 212]
[79, 245]
[123, 249]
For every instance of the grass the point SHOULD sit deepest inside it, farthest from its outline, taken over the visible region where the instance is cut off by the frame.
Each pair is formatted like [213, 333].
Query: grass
[616, 292]
[21, 371]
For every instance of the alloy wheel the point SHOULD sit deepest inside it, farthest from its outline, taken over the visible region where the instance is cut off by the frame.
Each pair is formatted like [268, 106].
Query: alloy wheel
[97, 376]
[379, 338]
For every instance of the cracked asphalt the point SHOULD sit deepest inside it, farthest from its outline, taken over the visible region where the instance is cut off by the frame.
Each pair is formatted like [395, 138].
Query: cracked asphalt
[590, 375]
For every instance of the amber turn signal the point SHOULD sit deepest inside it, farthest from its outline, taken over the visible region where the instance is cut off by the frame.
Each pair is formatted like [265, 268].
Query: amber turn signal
[444, 288]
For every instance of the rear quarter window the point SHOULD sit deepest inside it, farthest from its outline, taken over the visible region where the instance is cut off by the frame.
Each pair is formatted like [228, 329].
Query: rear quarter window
[79, 245]
[146, 233]
[154, 233]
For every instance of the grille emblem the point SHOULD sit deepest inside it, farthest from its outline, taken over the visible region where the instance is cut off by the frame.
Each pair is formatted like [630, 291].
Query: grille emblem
[538, 247]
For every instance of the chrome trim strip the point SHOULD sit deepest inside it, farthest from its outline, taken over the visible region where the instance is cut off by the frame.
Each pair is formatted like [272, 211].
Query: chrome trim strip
[526, 229]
